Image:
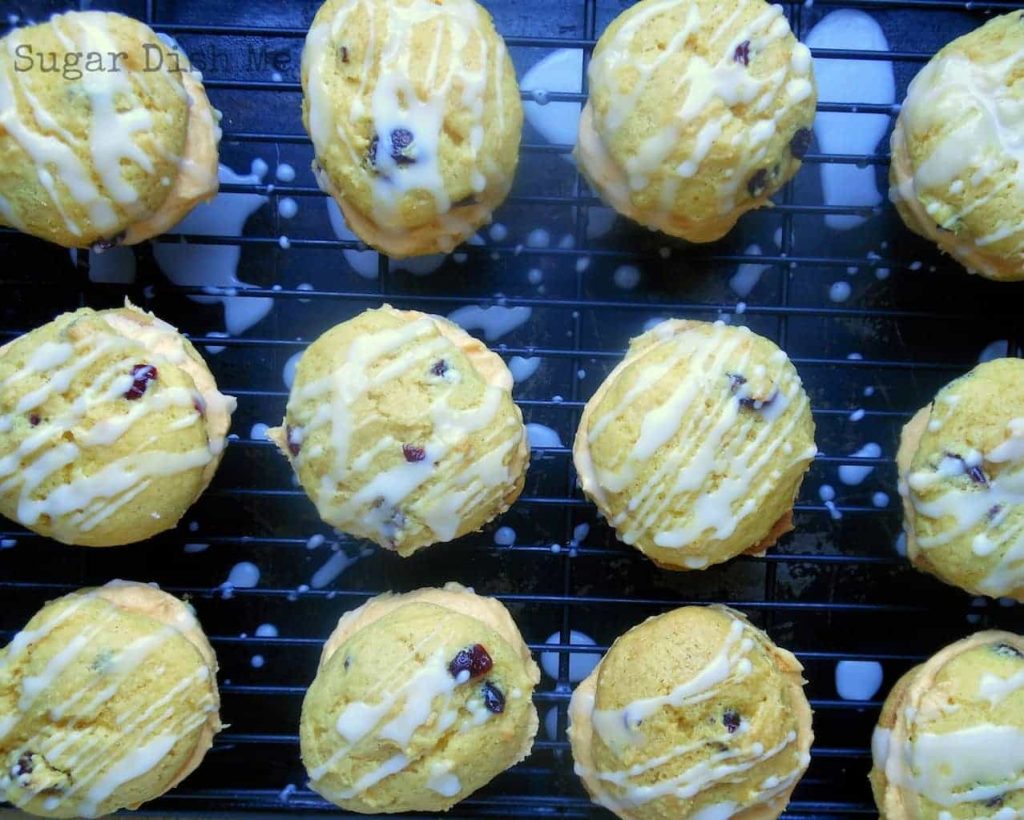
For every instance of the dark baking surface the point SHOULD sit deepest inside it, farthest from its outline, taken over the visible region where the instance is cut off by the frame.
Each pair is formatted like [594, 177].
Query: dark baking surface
[833, 589]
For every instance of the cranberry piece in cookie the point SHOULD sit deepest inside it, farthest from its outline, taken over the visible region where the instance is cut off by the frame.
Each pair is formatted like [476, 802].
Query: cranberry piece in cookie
[142, 375]
[494, 700]
[473, 659]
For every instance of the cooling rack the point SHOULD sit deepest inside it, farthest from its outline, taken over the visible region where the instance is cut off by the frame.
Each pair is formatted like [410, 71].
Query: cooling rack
[874, 319]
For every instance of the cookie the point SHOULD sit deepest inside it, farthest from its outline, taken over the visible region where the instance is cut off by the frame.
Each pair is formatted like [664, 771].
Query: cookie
[699, 111]
[108, 698]
[694, 446]
[693, 713]
[961, 464]
[950, 739]
[956, 151]
[106, 135]
[402, 429]
[111, 426]
[420, 699]
[414, 113]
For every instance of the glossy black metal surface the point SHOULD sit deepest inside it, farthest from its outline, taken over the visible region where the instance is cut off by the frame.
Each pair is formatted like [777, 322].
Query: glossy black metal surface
[834, 589]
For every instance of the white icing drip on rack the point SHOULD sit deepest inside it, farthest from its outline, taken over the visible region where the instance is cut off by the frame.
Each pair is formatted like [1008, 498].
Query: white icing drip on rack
[856, 81]
[215, 267]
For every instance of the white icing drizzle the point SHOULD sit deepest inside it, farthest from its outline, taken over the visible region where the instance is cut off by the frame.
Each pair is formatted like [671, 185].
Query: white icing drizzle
[719, 78]
[424, 698]
[995, 689]
[621, 729]
[989, 510]
[399, 99]
[880, 740]
[118, 115]
[451, 482]
[972, 762]
[33, 686]
[393, 765]
[962, 766]
[98, 765]
[717, 811]
[127, 769]
[48, 150]
[85, 500]
[972, 104]
[114, 127]
[442, 780]
[721, 438]
[127, 661]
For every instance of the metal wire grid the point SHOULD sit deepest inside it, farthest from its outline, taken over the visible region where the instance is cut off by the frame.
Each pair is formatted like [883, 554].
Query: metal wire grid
[583, 586]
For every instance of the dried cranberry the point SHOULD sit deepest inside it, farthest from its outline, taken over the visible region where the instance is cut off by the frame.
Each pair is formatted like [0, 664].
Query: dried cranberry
[101, 245]
[24, 765]
[34, 419]
[494, 700]
[736, 381]
[975, 473]
[758, 183]
[401, 139]
[473, 659]
[994, 802]
[731, 720]
[742, 53]
[413, 453]
[800, 143]
[439, 368]
[758, 404]
[1007, 651]
[103, 660]
[199, 403]
[344, 54]
[294, 440]
[142, 375]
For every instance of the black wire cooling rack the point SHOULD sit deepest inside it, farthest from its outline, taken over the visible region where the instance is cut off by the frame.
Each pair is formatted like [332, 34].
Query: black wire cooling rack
[835, 589]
